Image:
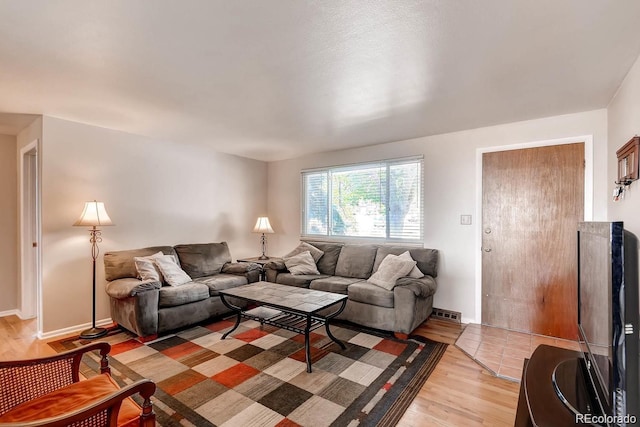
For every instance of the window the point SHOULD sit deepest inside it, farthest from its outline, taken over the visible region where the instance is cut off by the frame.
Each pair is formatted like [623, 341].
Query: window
[380, 200]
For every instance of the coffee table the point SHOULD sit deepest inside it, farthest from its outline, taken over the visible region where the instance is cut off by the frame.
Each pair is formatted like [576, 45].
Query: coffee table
[287, 307]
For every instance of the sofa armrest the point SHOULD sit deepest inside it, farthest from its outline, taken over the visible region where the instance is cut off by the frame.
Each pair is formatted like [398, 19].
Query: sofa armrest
[422, 287]
[272, 269]
[240, 268]
[129, 287]
[250, 270]
[275, 265]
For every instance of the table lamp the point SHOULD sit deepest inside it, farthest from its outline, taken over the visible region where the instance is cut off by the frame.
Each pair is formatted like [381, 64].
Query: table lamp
[263, 226]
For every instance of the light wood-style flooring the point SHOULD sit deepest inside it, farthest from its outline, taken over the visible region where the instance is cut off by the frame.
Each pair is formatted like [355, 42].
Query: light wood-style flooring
[458, 393]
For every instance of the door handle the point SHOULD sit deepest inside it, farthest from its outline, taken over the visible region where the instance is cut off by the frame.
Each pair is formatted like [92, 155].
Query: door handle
[486, 249]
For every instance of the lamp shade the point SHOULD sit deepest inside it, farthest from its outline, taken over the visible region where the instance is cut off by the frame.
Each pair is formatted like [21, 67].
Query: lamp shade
[262, 225]
[94, 214]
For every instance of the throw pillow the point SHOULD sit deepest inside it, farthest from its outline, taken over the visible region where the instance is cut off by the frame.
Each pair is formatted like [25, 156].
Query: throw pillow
[303, 247]
[391, 269]
[415, 271]
[146, 269]
[173, 274]
[302, 263]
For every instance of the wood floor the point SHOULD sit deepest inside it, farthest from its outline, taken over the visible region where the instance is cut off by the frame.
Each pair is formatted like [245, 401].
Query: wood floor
[458, 393]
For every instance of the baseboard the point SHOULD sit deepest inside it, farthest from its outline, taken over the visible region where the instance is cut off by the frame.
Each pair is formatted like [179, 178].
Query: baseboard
[72, 329]
[467, 320]
[22, 316]
[9, 313]
[449, 315]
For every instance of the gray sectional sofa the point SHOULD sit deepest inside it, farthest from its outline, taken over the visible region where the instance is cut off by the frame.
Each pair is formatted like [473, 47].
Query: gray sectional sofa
[150, 307]
[345, 268]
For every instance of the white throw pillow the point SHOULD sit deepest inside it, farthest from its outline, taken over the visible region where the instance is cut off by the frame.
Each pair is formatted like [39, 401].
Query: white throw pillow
[415, 271]
[302, 263]
[147, 270]
[391, 269]
[173, 274]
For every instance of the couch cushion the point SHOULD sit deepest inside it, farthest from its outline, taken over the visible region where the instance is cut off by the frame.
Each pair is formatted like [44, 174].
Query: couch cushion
[203, 259]
[426, 259]
[73, 396]
[171, 296]
[369, 293]
[356, 261]
[222, 281]
[335, 284]
[301, 280]
[120, 264]
[327, 262]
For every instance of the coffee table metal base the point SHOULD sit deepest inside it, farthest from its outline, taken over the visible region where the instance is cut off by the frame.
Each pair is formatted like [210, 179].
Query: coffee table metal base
[295, 322]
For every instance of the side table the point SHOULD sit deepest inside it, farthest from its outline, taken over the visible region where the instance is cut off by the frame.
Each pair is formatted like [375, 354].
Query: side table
[261, 262]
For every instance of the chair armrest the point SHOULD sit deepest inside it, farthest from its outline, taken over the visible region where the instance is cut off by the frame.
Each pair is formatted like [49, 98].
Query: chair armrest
[39, 376]
[130, 287]
[146, 388]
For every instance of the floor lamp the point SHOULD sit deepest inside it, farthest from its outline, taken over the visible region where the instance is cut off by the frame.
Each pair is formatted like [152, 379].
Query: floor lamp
[94, 215]
[263, 226]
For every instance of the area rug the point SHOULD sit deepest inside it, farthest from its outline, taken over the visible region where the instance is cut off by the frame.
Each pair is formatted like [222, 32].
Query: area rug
[257, 375]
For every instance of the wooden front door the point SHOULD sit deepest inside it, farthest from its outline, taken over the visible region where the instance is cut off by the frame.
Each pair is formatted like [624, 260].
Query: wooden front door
[532, 200]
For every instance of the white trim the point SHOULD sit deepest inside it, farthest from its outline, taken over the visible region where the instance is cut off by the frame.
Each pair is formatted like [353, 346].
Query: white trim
[588, 195]
[72, 329]
[9, 313]
[365, 164]
[25, 302]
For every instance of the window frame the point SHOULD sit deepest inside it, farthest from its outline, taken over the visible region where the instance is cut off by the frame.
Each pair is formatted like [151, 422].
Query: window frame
[387, 163]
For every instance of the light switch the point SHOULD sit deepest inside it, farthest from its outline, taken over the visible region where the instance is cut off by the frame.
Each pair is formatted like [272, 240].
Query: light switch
[465, 219]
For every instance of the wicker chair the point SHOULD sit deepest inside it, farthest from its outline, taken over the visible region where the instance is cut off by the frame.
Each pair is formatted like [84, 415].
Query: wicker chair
[48, 392]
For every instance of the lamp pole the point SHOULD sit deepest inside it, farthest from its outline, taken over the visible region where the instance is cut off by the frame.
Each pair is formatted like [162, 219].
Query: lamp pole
[94, 332]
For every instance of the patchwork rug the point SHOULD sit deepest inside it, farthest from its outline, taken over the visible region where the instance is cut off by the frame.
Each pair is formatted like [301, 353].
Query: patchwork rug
[257, 375]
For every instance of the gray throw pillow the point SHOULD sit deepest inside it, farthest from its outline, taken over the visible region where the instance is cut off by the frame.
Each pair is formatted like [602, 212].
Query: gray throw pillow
[301, 263]
[304, 246]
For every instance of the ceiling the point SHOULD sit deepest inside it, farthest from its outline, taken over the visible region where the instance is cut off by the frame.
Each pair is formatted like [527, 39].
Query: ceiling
[275, 79]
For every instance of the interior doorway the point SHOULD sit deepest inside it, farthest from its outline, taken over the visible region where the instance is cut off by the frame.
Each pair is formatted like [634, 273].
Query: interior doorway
[532, 199]
[30, 254]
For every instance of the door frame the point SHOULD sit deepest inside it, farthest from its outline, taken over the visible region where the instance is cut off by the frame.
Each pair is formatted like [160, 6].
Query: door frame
[30, 294]
[588, 195]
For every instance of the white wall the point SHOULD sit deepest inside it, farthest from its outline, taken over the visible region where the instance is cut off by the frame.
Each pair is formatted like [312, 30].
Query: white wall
[8, 224]
[450, 190]
[156, 192]
[624, 123]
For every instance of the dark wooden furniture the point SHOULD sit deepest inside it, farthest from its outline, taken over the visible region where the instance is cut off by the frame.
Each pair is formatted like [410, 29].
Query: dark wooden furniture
[539, 405]
[48, 391]
[287, 307]
[628, 161]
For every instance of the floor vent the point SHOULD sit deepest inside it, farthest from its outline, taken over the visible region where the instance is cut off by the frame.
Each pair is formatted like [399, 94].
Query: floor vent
[443, 314]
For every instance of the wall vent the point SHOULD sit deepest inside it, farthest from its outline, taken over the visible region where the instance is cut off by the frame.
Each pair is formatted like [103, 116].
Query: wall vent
[452, 316]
